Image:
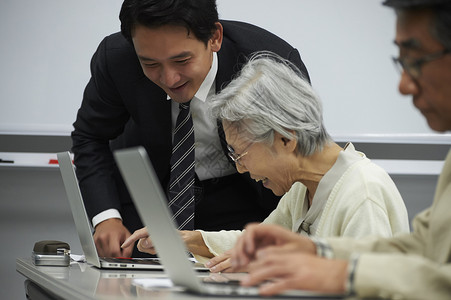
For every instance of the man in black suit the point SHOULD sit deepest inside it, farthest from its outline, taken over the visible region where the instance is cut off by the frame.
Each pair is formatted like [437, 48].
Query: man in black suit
[168, 52]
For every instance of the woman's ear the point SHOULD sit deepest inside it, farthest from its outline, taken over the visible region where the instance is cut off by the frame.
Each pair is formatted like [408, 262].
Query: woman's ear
[284, 143]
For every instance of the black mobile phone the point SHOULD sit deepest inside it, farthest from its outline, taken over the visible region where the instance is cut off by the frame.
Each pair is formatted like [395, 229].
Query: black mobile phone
[51, 253]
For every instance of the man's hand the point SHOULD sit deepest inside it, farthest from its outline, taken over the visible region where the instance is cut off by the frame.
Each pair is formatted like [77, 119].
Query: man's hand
[108, 237]
[280, 271]
[256, 237]
[281, 260]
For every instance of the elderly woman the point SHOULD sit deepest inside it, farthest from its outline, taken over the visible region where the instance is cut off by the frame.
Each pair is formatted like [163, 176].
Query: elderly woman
[273, 124]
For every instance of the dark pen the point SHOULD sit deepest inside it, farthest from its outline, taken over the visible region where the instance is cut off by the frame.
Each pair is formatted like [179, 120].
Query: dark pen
[5, 161]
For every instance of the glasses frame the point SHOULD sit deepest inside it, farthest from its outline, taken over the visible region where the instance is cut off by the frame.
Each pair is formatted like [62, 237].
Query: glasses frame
[413, 66]
[236, 157]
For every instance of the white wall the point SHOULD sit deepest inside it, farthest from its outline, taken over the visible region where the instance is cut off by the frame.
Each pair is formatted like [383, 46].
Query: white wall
[347, 46]
[47, 45]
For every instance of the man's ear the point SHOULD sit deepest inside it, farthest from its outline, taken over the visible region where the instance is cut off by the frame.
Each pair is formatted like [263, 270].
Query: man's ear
[216, 40]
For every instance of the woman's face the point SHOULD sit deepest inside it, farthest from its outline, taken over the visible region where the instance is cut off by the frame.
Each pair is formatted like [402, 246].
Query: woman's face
[273, 165]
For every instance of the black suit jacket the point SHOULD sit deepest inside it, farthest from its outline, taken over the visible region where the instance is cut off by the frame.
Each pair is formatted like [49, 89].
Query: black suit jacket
[122, 108]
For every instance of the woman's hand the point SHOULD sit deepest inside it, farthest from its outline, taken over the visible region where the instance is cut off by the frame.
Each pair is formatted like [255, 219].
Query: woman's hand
[193, 240]
[220, 263]
[144, 242]
[195, 243]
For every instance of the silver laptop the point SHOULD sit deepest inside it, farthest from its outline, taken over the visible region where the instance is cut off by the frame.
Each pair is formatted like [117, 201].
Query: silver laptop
[151, 204]
[84, 228]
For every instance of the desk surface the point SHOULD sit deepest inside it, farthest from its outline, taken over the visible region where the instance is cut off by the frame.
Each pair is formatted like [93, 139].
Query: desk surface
[81, 281]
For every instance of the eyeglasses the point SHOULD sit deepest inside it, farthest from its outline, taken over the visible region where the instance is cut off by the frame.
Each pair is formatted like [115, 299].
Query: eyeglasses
[413, 66]
[236, 157]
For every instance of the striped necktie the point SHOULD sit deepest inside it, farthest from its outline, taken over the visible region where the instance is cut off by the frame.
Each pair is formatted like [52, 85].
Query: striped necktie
[180, 192]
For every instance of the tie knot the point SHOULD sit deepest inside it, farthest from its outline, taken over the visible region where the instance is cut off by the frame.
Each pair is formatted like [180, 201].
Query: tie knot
[184, 105]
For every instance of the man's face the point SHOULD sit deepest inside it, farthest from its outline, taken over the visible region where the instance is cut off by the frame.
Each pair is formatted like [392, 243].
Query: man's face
[431, 91]
[175, 59]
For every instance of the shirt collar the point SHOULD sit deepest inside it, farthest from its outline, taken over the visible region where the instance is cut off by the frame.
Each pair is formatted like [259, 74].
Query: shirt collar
[208, 82]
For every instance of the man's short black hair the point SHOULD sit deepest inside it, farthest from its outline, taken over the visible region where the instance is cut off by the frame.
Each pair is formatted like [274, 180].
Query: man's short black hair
[415, 3]
[197, 16]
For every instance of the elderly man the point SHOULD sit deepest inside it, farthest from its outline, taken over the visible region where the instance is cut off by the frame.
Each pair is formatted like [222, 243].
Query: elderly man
[409, 266]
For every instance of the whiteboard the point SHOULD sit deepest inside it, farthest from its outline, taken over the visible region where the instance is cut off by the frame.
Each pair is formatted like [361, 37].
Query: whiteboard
[346, 45]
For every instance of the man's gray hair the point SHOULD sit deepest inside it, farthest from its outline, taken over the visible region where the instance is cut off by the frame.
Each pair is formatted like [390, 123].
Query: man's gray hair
[440, 27]
[271, 95]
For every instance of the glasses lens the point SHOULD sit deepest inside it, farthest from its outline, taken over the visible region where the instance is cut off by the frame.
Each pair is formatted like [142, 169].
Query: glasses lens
[398, 65]
[232, 154]
[231, 150]
[412, 69]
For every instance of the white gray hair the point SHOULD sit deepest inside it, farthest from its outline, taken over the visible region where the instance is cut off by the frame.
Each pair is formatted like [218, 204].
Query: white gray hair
[270, 95]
